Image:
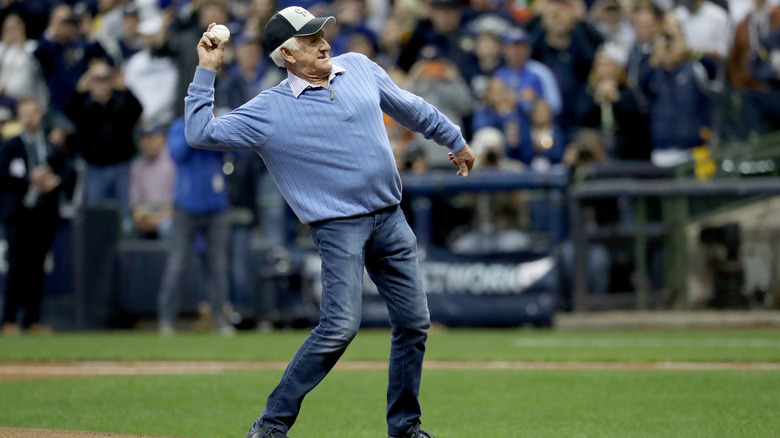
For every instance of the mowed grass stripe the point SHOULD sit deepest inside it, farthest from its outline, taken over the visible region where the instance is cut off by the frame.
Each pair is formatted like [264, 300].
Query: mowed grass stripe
[456, 403]
[513, 345]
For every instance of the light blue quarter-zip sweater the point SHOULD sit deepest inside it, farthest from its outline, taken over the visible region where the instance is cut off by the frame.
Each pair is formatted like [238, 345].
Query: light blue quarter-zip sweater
[327, 149]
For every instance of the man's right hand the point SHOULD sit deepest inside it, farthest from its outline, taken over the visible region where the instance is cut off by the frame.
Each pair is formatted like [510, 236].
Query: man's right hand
[209, 52]
[463, 159]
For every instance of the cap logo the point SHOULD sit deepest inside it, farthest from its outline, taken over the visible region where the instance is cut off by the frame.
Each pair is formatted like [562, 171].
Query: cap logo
[292, 21]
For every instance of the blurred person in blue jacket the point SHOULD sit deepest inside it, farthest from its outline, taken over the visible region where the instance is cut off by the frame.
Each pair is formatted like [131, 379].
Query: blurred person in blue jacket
[525, 84]
[200, 199]
[499, 110]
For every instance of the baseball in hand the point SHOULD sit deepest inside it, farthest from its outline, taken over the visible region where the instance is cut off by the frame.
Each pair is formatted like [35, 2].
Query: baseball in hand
[220, 32]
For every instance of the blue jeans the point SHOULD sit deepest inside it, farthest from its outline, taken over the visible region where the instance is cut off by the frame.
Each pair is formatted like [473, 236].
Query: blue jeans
[216, 227]
[109, 182]
[384, 244]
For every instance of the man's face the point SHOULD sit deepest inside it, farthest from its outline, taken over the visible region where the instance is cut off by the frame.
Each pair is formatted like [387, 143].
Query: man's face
[248, 55]
[516, 53]
[646, 26]
[445, 20]
[29, 115]
[151, 144]
[314, 57]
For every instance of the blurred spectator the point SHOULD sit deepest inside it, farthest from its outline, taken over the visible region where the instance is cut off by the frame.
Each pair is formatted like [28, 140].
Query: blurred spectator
[415, 160]
[547, 142]
[491, 150]
[104, 113]
[243, 170]
[437, 80]
[65, 55]
[487, 48]
[441, 32]
[498, 110]
[122, 40]
[200, 199]
[151, 75]
[184, 34]
[33, 171]
[567, 45]
[35, 13]
[360, 43]
[587, 149]
[151, 185]
[390, 42]
[679, 108]
[517, 64]
[526, 86]
[351, 21]
[260, 11]
[377, 12]
[707, 30]
[107, 26]
[624, 124]
[487, 15]
[249, 74]
[762, 20]
[20, 73]
[760, 99]
[609, 18]
[648, 25]
[499, 217]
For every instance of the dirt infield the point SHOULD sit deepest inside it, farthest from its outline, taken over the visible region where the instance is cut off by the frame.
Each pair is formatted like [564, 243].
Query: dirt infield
[15, 371]
[8, 432]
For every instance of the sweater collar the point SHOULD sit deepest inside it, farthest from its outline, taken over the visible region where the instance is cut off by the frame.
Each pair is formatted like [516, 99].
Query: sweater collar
[299, 85]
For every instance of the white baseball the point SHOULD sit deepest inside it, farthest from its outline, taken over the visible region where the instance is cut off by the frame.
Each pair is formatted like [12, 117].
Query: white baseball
[220, 32]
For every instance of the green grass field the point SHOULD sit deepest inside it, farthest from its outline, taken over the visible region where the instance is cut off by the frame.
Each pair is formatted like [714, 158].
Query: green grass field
[457, 403]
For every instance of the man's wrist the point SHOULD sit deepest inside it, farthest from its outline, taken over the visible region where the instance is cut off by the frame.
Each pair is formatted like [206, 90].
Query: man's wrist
[208, 66]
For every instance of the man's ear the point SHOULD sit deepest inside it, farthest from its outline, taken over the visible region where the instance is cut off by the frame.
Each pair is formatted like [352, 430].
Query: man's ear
[287, 55]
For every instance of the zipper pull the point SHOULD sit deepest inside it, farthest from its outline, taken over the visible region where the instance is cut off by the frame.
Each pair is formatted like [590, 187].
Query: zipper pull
[331, 93]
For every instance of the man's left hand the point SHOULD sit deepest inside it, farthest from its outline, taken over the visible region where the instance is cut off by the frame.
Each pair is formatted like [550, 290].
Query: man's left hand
[463, 159]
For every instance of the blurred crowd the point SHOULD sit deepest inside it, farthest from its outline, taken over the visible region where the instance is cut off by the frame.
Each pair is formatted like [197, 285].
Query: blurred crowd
[526, 81]
[534, 85]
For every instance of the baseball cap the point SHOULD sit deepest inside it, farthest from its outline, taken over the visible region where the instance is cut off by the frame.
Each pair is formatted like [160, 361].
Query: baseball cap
[515, 35]
[290, 22]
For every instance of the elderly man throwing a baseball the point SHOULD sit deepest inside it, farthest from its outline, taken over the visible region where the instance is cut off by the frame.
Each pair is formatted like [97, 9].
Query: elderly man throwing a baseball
[322, 137]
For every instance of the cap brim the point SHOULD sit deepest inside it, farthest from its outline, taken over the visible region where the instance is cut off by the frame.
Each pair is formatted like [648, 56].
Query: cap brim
[315, 25]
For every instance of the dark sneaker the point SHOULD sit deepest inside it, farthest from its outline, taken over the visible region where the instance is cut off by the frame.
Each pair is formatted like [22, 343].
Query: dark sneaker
[265, 432]
[416, 433]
